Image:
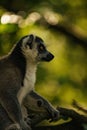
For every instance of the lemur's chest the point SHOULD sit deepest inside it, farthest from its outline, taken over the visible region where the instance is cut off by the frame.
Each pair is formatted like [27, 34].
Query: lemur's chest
[28, 83]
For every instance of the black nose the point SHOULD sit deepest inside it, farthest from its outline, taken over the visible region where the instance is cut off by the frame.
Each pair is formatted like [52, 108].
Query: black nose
[49, 57]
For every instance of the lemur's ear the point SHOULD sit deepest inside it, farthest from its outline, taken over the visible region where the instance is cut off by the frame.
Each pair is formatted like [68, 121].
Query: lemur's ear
[30, 41]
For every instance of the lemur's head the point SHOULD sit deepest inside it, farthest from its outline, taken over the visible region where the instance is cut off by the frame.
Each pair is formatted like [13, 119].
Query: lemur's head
[33, 48]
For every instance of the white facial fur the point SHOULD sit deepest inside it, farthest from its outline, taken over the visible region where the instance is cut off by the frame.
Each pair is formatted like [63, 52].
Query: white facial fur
[31, 65]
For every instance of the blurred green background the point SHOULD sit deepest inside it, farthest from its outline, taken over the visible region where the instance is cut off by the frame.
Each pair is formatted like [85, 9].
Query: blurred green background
[62, 24]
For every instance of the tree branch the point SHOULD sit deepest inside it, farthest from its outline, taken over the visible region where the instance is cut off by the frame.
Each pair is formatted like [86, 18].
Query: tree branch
[74, 32]
[76, 123]
[78, 106]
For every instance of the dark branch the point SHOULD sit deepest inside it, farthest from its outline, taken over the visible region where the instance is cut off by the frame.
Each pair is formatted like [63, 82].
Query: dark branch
[76, 122]
[73, 114]
[78, 106]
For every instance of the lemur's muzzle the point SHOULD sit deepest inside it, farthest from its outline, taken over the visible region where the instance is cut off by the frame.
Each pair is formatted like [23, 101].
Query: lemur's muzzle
[48, 57]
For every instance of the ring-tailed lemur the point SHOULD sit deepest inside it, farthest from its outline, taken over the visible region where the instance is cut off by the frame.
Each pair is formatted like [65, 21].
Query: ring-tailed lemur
[17, 79]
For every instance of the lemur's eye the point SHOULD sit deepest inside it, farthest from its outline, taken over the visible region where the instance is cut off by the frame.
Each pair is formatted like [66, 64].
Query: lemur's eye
[41, 48]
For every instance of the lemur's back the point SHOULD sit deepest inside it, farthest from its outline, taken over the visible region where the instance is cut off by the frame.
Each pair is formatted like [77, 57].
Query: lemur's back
[9, 74]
